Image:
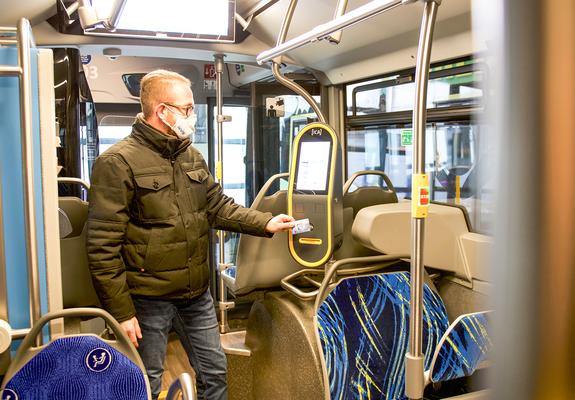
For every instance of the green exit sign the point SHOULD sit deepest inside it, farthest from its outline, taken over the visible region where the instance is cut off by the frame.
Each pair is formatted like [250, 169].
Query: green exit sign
[406, 137]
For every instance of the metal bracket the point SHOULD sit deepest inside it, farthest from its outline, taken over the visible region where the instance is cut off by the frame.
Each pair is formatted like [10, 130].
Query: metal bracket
[226, 305]
[414, 382]
[223, 266]
[223, 118]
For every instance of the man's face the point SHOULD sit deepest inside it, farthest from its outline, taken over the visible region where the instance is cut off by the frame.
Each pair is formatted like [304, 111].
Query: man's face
[178, 102]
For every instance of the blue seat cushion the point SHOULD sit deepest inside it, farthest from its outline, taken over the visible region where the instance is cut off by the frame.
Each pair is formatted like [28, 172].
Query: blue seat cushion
[78, 368]
[363, 327]
[464, 346]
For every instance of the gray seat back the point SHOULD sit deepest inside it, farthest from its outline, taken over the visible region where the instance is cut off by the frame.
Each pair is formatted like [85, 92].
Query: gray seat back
[367, 196]
[353, 202]
[349, 246]
[77, 288]
[262, 262]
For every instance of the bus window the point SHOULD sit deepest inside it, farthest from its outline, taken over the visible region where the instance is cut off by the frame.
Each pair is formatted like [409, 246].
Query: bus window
[112, 129]
[452, 84]
[378, 126]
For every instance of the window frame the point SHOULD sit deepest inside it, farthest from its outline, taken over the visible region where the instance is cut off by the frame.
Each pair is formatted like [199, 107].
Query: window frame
[457, 113]
[460, 113]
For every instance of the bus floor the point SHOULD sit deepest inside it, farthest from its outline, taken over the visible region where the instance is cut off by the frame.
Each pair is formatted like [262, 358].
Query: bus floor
[175, 364]
[176, 359]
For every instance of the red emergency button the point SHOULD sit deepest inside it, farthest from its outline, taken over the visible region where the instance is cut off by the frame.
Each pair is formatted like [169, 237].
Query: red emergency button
[423, 196]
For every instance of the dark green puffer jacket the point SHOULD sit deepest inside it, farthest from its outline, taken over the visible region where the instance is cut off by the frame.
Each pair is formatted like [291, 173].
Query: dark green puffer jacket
[152, 202]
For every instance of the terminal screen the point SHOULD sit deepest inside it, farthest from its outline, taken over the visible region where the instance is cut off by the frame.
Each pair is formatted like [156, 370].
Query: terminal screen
[312, 168]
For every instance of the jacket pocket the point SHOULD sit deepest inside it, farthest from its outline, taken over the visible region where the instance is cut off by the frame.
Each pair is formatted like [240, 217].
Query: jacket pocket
[197, 188]
[155, 198]
[197, 175]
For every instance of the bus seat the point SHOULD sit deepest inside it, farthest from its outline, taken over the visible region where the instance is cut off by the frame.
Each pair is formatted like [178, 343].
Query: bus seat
[368, 196]
[476, 250]
[77, 288]
[463, 348]
[363, 334]
[355, 201]
[387, 228]
[349, 246]
[77, 212]
[64, 224]
[80, 366]
[365, 196]
[262, 262]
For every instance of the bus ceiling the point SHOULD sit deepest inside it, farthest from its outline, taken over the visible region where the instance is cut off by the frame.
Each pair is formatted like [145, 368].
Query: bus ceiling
[363, 51]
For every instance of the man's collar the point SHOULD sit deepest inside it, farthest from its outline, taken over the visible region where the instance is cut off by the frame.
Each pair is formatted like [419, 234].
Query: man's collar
[167, 146]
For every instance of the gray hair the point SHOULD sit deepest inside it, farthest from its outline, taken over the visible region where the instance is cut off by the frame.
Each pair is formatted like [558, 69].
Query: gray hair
[153, 86]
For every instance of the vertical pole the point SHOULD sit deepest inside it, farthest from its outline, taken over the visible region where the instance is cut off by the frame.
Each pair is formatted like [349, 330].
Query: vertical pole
[414, 367]
[219, 62]
[4, 357]
[24, 40]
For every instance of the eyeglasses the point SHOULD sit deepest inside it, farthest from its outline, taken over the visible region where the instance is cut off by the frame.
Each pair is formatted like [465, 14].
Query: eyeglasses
[185, 110]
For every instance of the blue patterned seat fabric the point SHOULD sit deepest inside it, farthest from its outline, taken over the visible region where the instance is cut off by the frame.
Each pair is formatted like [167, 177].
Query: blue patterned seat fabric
[466, 345]
[231, 271]
[78, 368]
[363, 329]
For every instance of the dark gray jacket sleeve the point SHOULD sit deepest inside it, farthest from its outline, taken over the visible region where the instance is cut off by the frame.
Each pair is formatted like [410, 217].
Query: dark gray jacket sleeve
[224, 213]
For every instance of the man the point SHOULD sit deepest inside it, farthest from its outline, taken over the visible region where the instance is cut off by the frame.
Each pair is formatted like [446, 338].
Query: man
[152, 202]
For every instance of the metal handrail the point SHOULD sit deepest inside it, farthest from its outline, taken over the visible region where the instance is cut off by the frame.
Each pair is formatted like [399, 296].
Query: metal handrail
[81, 182]
[262, 193]
[25, 43]
[10, 70]
[252, 13]
[382, 174]
[290, 84]
[321, 31]
[3, 287]
[116, 14]
[333, 269]
[183, 385]
[335, 38]
[300, 294]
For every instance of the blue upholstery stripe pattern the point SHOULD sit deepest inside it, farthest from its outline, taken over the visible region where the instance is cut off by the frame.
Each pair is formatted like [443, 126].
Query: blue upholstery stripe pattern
[466, 344]
[79, 368]
[363, 329]
[231, 272]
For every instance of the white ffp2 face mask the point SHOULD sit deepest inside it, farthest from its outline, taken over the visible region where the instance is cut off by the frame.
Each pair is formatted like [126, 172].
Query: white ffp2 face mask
[184, 127]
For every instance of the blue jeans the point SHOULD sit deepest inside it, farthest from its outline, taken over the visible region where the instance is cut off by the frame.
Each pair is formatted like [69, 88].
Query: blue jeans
[196, 324]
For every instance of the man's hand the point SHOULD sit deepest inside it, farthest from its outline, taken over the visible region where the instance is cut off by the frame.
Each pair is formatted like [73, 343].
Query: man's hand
[280, 223]
[132, 329]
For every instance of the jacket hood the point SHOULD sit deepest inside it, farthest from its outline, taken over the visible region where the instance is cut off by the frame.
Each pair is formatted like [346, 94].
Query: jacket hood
[146, 134]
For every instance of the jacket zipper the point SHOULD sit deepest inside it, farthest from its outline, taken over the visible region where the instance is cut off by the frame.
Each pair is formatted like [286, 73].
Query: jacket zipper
[173, 161]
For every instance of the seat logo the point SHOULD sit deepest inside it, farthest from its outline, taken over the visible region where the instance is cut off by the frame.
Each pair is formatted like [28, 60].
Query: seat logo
[98, 360]
[9, 394]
